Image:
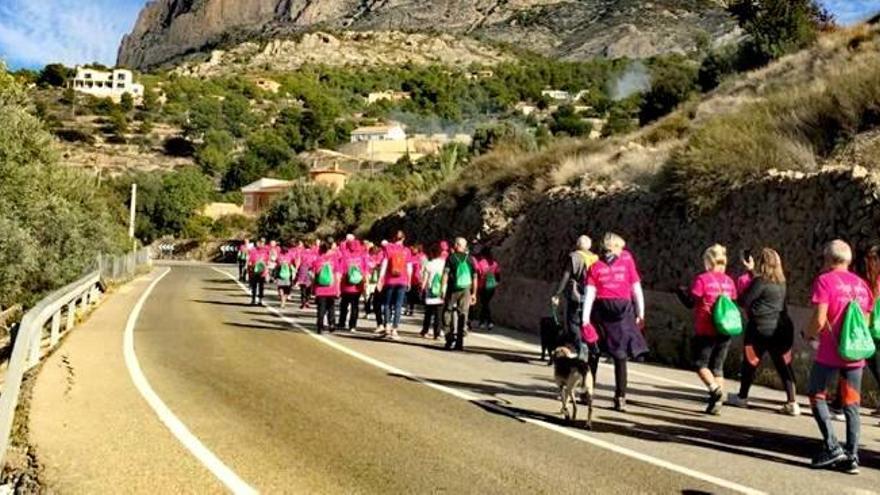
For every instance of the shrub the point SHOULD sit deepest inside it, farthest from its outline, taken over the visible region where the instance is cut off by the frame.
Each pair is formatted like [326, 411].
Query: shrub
[179, 147]
[52, 223]
[674, 80]
[361, 201]
[232, 226]
[506, 133]
[301, 211]
[788, 131]
[777, 27]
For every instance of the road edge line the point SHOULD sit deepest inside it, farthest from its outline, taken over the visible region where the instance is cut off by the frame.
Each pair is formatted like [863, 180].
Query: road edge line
[648, 459]
[208, 459]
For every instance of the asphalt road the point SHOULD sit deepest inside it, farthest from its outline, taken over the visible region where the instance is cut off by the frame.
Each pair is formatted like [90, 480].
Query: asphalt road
[290, 412]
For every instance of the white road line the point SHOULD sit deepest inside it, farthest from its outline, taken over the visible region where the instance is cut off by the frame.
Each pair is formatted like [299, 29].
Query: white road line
[535, 348]
[232, 481]
[730, 485]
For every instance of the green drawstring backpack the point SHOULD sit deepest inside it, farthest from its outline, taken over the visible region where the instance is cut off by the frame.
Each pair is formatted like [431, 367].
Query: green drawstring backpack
[463, 275]
[436, 286]
[284, 271]
[874, 327]
[325, 276]
[491, 281]
[726, 317]
[355, 277]
[856, 342]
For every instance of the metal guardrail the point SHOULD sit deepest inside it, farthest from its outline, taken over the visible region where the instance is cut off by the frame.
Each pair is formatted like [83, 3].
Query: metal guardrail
[46, 318]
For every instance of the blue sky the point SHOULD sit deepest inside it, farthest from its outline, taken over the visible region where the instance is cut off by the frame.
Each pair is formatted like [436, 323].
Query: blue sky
[36, 32]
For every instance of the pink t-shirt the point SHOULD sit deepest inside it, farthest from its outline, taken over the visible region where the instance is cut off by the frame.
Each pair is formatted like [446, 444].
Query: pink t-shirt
[836, 289]
[613, 281]
[706, 289]
[389, 251]
[485, 267]
[354, 259]
[743, 282]
[318, 263]
[417, 262]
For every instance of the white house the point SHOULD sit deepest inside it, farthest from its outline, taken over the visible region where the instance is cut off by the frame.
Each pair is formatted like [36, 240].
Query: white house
[387, 132]
[107, 84]
[388, 95]
[560, 95]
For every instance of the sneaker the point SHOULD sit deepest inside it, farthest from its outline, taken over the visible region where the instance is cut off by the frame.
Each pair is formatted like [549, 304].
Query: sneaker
[791, 409]
[482, 326]
[828, 458]
[380, 332]
[620, 404]
[736, 401]
[490, 326]
[837, 415]
[715, 403]
[850, 465]
[394, 335]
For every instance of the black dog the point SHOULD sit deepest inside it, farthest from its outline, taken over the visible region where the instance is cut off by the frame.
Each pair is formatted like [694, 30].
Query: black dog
[550, 331]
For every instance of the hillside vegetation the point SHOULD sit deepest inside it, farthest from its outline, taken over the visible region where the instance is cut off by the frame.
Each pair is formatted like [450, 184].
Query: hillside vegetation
[806, 111]
[52, 221]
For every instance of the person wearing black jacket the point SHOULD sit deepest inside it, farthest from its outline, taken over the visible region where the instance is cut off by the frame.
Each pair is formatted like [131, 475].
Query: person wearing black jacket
[769, 328]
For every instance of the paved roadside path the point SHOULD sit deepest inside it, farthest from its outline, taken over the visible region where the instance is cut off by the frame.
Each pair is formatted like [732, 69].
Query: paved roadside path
[92, 430]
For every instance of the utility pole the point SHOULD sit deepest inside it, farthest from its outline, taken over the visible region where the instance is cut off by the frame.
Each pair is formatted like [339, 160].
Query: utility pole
[131, 217]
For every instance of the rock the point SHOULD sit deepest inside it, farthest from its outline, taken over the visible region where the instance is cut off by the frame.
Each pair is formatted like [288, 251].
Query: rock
[166, 30]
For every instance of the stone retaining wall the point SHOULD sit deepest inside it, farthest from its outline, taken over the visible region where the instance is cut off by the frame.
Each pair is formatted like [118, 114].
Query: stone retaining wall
[793, 212]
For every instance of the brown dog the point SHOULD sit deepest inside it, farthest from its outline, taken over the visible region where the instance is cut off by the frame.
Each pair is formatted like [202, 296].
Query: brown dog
[571, 375]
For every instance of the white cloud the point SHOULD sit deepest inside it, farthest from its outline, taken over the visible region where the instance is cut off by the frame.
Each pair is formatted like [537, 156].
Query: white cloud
[36, 32]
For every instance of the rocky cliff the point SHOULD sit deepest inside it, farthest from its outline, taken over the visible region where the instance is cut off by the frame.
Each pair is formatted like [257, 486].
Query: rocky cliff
[169, 29]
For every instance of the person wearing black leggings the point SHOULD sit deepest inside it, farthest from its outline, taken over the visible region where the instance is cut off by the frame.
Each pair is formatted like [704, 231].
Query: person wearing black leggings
[769, 329]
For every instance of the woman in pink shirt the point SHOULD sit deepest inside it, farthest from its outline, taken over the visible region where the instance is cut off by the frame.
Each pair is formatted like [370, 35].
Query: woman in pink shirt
[326, 276]
[284, 274]
[489, 278]
[258, 271]
[614, 303]
[710, 347]
[394, 278]
[355, 272]
[833, 291]
[307, 254]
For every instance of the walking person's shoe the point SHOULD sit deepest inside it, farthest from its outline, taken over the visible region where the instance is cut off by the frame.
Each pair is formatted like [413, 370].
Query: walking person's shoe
[791, 409]
[828, 458]
[850, 465]
[733, 399]
[380, 332]
[837, 415]
[394, 335]
[620, 404]
[715, 403]
[490, 326]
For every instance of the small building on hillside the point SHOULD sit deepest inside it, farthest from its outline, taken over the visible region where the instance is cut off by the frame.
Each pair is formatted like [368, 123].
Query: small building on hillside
[104, 84]
[388, 95]
[333, 177]
[386, 132]
[260, 194]
[564, 96]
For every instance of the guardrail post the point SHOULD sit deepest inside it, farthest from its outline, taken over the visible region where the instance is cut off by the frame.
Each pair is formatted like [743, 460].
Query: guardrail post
[56, 329]
[71, 316]
[85, 303]
[34, 347]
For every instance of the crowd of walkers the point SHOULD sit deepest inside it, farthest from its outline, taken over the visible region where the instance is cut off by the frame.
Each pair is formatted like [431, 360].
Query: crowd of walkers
[388, 279]
[603, 305]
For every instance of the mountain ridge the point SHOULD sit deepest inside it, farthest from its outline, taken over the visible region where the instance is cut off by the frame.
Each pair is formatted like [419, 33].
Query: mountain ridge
[167, 30]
